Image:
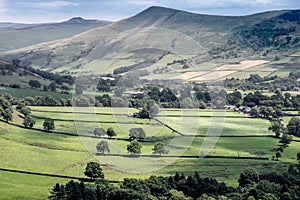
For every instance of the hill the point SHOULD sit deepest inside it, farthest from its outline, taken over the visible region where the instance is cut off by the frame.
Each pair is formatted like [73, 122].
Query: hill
[176, 35]
[15, 35]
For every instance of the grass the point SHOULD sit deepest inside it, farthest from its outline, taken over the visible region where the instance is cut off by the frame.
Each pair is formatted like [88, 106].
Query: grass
[26, 187]
[33, 150]
[21, 93]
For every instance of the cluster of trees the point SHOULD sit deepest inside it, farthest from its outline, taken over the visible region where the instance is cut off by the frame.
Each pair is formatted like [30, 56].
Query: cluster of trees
[6, 110]
[252, 185]
[271, 83]
[100, 132]
[134, 148]
[183, 62]
[285, 133]
[28, 120]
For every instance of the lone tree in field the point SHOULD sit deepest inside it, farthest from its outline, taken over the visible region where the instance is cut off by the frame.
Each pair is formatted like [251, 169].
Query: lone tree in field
[110, 132]
[34, 83]
[93, 171]
[103, 147]
[137, 133]
[134, 148]
[99, 132]
[159, 148]
[277, 127]
[28, 121]
[49, 124]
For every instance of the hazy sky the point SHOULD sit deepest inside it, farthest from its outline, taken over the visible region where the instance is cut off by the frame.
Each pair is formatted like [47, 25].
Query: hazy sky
[56, 10]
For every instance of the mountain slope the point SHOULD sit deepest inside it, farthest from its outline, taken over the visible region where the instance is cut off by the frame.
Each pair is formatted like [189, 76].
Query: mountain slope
[173, 31]
[14, 36]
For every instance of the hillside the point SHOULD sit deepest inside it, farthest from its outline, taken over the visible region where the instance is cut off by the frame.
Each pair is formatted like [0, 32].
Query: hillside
[177, 35]
[14, 35]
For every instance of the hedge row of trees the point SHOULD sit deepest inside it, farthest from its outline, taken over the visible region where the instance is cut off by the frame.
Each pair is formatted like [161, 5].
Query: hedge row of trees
[252, 185]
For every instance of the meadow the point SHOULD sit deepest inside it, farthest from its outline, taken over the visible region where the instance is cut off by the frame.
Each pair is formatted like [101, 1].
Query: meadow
[61, 152]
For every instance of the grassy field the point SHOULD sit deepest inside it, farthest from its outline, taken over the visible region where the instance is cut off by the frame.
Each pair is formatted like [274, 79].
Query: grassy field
[25, 186]
[22, 93]
[63, 154]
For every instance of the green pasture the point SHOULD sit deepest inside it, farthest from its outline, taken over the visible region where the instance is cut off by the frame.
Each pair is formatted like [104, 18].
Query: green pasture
[22, 93]
[25, 186]
[38, 151]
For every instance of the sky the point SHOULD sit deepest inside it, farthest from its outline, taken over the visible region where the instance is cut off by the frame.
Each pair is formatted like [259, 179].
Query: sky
[38, 11]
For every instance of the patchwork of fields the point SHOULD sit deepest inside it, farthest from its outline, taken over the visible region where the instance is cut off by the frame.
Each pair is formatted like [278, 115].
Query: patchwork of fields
[62, 152]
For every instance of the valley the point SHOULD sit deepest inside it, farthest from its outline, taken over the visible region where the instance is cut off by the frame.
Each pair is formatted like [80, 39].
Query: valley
[163, 103]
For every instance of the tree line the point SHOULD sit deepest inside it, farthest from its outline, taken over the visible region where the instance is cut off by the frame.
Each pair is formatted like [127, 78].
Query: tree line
[251, 185]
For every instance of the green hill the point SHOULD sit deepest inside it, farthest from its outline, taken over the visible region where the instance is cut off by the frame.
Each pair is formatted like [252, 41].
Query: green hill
[14, 36]
[177, 35]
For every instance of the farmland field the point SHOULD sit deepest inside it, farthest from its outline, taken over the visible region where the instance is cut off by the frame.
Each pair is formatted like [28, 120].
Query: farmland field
[61, 152]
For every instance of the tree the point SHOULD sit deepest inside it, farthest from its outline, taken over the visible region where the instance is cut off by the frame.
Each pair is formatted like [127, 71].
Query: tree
[234, 98]
[277, 127]
[278, 154]
[286, 139]
[103, 147]
[177, 195]
[28, 121]
[137, 133]
[25, 110]
[99, 132]
[159, 148]
[248, 177]
[93, 170]
[134, 147]
[298, 157]
[254, 112]
[153, 109]
[294, 126]
[49, 124]
[110, 132]
[7, 114]
[34, 83]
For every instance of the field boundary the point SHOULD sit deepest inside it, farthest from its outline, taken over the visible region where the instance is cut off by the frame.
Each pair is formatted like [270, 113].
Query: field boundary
[188, 157]
[51, 175]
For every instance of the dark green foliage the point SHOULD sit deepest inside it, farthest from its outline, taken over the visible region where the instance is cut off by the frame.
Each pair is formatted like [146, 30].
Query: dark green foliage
[134, 147]
[234, 98]
[28, 121]
[110, 132]
[286, 139]
[6, 110]
[25, 110]
[294, 126]
[252, 186]
[93, 170]
[49, 124]
[159, 148]
[137, 133]
[277, 127]
[99, 132]
[7, 114]
[248, 177]
[278, 155]
[103, 147]
[34, 83]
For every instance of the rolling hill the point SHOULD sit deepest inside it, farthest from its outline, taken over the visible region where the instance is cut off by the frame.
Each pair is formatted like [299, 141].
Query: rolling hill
[15, 35]
[199, 40]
